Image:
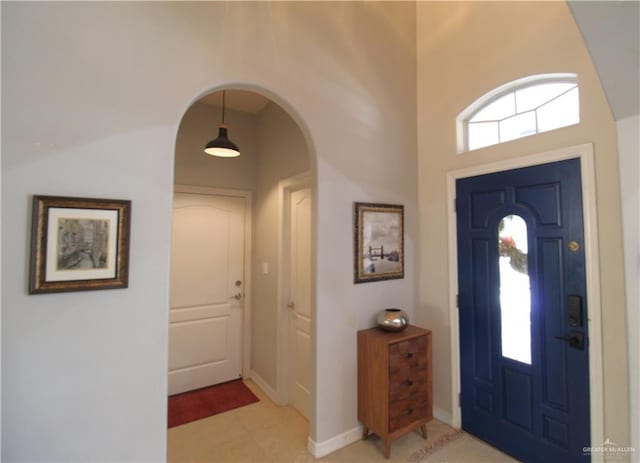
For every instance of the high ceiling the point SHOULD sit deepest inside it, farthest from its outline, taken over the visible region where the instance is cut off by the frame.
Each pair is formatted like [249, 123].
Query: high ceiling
[240, 100]
[611, 32]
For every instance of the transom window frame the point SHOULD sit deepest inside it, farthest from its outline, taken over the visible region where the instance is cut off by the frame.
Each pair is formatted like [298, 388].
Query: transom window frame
[462, 121]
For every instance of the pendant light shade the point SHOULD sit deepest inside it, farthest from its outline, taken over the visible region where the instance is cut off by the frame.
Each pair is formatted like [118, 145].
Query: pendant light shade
[222, 146]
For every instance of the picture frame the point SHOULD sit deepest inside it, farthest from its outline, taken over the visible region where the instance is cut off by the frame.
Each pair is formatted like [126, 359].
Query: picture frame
[79, 244]
[378, 242]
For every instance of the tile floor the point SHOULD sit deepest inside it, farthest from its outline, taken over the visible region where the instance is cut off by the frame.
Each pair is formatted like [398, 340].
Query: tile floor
[265, 432]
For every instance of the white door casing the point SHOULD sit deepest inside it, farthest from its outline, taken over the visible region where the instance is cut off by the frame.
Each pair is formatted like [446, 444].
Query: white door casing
[206, 314]
[300, 300]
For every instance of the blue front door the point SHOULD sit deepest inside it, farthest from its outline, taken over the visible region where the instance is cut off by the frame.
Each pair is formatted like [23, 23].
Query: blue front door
[523, 311]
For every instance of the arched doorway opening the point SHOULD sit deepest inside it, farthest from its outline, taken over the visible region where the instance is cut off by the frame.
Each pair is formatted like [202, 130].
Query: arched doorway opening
[270, 292]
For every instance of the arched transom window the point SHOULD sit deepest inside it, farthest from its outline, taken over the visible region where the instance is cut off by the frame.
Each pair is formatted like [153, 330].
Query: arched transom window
[518, 109]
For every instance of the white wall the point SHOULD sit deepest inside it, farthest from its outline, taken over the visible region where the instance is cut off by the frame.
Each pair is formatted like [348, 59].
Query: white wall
[199, 126]
[93, 94]
[466, 49]
[282, 153]
[629, 152]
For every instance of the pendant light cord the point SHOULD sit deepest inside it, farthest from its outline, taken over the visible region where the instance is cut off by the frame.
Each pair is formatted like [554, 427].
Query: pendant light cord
[223, 95]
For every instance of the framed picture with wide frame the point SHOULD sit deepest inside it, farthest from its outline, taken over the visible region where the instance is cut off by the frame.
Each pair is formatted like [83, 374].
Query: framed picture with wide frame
[79, 244]
[378, 242]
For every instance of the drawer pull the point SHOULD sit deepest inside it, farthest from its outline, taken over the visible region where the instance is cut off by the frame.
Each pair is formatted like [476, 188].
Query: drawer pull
[409, 411]
[409, 382]
[410, 354]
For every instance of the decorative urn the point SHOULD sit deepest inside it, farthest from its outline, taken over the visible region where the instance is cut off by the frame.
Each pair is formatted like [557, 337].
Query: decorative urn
[392, 320]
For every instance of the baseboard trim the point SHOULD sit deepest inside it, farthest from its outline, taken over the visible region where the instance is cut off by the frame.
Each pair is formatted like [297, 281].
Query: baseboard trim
[259, 380]
[320, 449]
[441, 415]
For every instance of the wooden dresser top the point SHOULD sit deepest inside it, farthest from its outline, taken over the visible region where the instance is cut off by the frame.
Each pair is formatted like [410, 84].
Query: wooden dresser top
[396, 336]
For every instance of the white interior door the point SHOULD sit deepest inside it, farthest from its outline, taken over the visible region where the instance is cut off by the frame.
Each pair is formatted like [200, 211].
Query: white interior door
[205, 321]
[300, 300]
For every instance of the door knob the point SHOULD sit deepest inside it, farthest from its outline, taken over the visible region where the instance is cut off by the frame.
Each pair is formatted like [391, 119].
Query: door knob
[574, 339]
[291, 305]
[237, 296]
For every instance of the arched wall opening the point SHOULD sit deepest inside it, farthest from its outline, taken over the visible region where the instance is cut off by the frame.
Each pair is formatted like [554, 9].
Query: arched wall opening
[277, 156]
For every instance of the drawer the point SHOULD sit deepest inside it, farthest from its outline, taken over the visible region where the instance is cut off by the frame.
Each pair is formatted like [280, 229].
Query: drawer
[412, 383]
[414, 345]
[407, 411]
[408, 354]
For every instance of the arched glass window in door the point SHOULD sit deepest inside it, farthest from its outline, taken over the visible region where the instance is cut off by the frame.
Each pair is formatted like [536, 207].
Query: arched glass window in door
[518, 109]
[515, 289]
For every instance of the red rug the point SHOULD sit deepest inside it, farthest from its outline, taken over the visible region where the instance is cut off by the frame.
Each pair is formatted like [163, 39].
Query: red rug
[208, 401]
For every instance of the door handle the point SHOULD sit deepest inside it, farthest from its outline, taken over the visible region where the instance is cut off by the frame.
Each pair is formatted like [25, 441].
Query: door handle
[575, 339]
[237, 296]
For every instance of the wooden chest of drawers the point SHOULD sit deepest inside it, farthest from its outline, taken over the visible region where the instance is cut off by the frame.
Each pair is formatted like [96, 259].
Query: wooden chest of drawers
[394, 382]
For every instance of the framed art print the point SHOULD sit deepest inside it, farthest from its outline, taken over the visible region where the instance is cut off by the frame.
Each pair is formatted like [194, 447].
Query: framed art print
[79, 244]
[378, 242]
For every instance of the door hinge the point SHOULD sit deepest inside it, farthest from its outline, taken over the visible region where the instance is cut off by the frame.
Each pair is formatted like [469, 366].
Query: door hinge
[460, 399]
[455, 204]
[458, 301]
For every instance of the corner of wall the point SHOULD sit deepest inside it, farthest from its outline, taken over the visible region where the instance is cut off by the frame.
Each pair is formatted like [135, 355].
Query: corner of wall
[266, 388]
[321, 449]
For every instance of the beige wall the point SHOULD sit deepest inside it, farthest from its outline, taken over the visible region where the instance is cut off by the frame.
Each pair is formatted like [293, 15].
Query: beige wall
[282, 153]
[464, 50]
[92, 98]
[199, 126]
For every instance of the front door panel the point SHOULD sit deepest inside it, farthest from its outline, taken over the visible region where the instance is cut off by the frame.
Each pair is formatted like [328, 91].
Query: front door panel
[523, 311]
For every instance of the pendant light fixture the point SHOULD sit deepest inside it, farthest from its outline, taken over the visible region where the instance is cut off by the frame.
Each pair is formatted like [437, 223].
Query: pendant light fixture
[222, 146]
